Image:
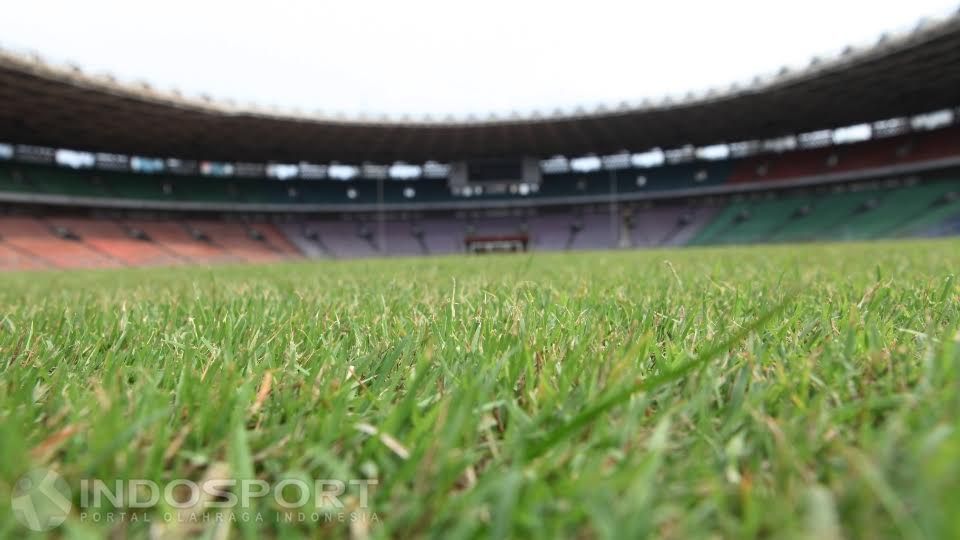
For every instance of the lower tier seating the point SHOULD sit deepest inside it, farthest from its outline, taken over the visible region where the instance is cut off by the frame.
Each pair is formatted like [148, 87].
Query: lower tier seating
[863, 211]
[843, 214]
[28, 243]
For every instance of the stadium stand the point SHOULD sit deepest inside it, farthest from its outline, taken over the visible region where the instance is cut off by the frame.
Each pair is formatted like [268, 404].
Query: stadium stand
[178, 240]
[791, 178]
[838, 214]
[934, 221]
[885, 152]
[800, 165]
[667, 226]
[442, 236]
[15, 258]
[343, 239]
[57, 247]
[117, 242]
[305, 240]
[401, 238]
[74, 242]
[12, 180]
[241, 242]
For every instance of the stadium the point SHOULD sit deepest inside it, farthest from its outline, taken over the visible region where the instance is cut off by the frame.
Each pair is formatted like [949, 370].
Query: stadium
[730, 313]
[758, 163]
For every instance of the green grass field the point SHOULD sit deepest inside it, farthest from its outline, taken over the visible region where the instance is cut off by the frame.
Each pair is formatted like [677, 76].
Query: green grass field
[794, 391]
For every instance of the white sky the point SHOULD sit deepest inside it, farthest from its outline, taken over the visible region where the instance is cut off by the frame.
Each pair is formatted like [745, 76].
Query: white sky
[445, 56]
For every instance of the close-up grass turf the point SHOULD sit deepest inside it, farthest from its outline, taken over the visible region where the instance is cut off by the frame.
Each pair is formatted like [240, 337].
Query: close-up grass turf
[781, 391]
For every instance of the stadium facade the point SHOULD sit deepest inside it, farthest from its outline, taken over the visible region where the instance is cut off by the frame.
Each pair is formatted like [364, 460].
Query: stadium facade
[863, 145]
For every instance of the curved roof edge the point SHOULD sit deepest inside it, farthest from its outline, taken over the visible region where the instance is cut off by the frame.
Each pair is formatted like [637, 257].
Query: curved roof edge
[924, 30]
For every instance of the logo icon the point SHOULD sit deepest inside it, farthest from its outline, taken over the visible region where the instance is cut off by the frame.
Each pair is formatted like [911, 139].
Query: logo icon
[41, 500]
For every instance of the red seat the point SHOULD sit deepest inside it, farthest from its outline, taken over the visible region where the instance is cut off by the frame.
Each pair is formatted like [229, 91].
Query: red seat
[111, 239]
[235, 239]
[36, 239]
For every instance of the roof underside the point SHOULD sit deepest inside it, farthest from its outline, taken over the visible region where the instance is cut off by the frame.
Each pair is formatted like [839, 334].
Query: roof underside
[44, 106]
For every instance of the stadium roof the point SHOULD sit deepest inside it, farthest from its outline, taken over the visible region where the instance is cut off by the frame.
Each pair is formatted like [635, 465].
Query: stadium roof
[63, 107]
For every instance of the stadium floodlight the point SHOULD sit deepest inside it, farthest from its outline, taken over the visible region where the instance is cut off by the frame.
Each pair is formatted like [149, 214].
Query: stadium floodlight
[815, 139]
[713, 152]
[890, 127]
[112, 162]
[33, 154]
[181, 166]
[312, 171]
[683, 154]
[585, 164]
[778, 144]
[432, 169]
[283, 171]
[249, 170]
[405, 171]
[75, 159]
[374, 172]
[650, 158]
[852, 134]
[216, 168]
[555, 165]
[342, 172]
[146, 164]
[932, 120]
[616, 162]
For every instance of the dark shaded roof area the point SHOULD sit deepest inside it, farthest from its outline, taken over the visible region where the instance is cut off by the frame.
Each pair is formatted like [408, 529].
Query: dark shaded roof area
[63, 108]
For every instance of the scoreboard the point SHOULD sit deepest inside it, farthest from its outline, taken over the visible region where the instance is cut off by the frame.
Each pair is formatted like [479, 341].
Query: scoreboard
[495, 174]
[495, 170]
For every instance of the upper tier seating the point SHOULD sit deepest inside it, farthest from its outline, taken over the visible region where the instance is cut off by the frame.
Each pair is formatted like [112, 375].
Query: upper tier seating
[909, 148]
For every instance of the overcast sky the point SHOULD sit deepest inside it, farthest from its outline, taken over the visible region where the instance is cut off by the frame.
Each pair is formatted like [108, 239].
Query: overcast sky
[445, 56]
